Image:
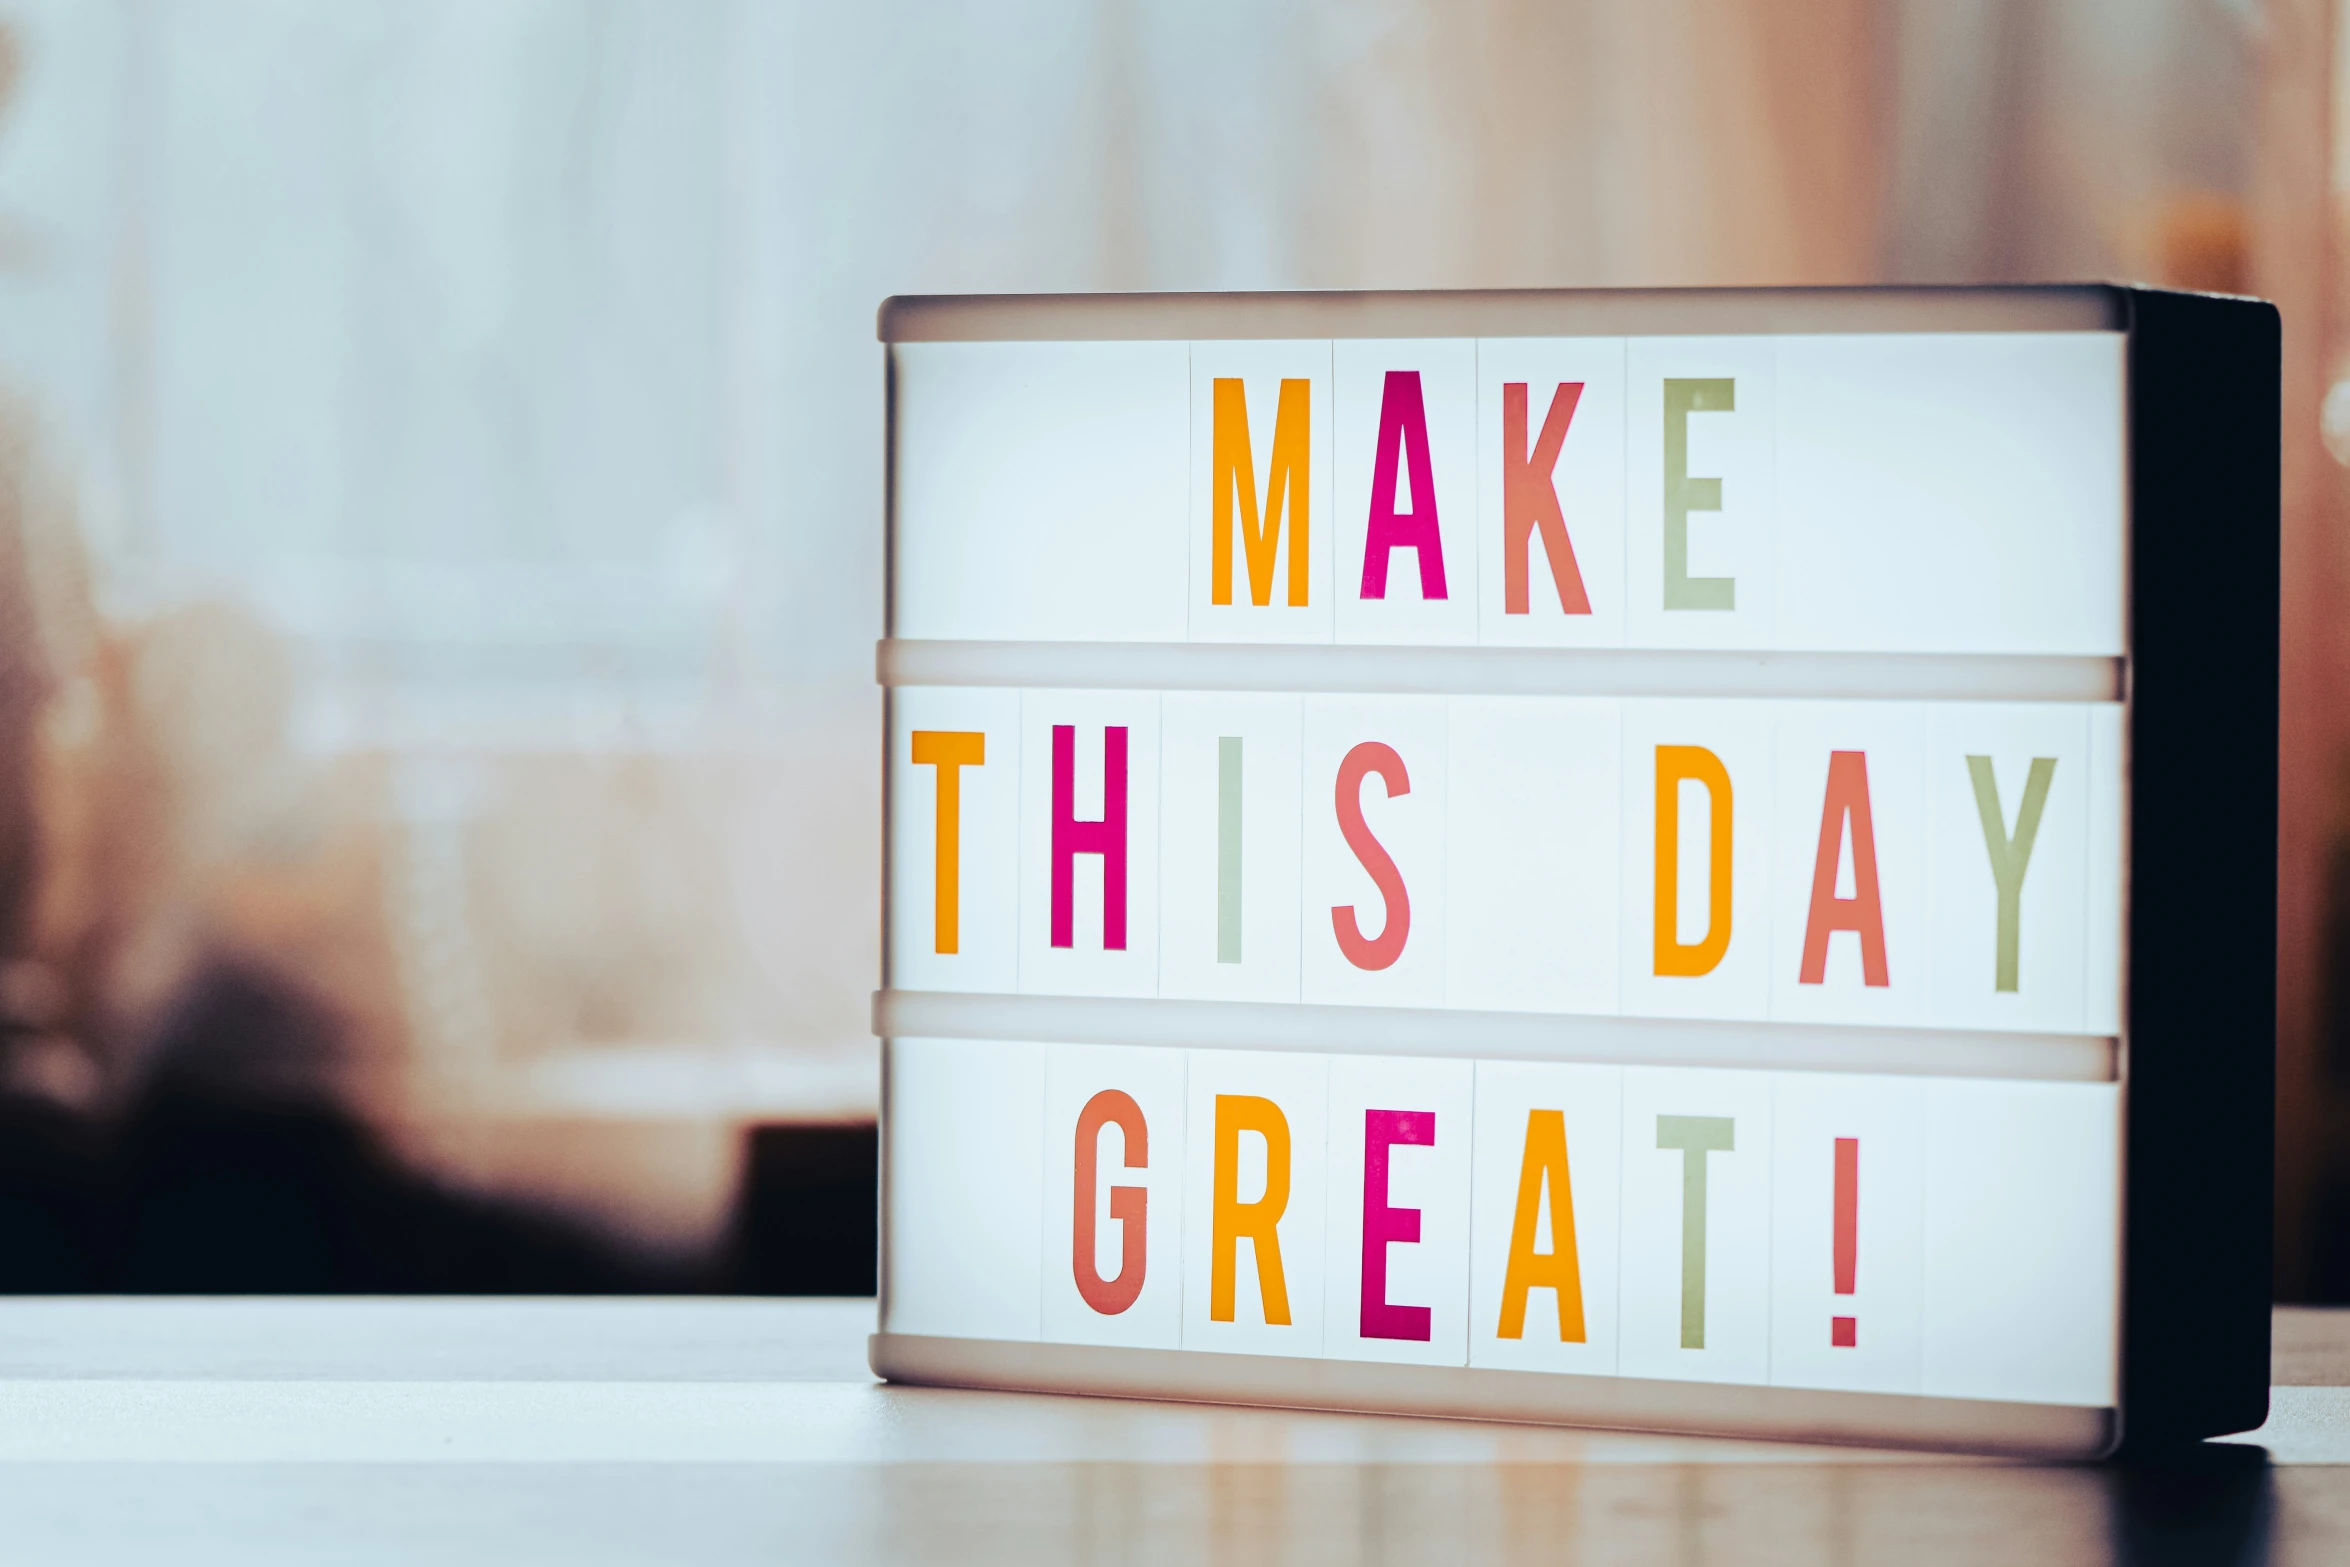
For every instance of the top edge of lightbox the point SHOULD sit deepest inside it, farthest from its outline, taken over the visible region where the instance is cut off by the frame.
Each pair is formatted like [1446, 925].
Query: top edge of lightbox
[1559, 312]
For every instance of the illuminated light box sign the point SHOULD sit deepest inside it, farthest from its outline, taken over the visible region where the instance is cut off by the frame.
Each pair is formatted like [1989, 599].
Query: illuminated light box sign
[1699, 861]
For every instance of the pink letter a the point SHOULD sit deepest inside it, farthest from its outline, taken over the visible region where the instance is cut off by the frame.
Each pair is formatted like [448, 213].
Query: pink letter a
[1403, 430]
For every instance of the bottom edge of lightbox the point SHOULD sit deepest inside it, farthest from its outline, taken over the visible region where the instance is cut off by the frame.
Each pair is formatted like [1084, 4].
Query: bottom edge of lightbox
[1961, 1425]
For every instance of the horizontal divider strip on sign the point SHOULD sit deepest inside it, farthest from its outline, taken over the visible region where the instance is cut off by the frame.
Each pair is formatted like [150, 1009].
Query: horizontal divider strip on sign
[1500, 312]
[1416, 1031]
[1487, 671]
[1480, 1393]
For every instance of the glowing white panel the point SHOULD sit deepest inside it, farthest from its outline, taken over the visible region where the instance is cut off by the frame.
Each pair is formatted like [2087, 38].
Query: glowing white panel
[2023, 1241]
[1952, 492]
[1038, 491]
[965, 1122]
[1533, 854]
[2103, 1008]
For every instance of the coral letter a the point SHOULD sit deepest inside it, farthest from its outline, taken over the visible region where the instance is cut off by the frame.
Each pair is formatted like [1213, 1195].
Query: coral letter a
[1846, 807]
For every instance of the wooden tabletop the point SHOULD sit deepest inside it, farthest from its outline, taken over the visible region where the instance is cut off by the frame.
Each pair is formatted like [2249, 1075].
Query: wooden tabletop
[725, 1430]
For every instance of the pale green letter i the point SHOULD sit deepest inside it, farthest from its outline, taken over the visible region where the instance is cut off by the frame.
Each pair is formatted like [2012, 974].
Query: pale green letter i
[2009, 855]
[1228, 849]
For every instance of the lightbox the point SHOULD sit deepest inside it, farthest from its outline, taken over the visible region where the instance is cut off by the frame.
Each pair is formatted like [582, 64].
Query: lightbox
[1678, 860]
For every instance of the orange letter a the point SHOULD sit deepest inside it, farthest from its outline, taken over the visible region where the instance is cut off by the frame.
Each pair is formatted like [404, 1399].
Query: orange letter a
[1560, 1269]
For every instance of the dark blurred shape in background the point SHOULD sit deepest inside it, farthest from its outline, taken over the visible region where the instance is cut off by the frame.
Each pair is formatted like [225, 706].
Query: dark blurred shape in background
[230, 1171]
[440, 507]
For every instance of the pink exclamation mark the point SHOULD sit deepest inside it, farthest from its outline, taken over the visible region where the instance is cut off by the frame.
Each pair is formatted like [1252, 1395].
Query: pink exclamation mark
[1844, 1332]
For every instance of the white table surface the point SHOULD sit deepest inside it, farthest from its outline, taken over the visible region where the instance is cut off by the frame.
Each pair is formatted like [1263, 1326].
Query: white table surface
[722, 1430]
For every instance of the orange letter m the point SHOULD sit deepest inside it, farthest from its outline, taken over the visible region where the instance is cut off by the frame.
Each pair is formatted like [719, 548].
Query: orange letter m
[1233, 470]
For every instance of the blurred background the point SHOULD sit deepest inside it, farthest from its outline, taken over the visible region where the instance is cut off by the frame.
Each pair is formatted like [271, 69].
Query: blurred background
[440, 521]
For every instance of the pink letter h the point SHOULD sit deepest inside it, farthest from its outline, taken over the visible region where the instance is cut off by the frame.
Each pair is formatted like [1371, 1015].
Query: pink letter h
[1106, 837]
